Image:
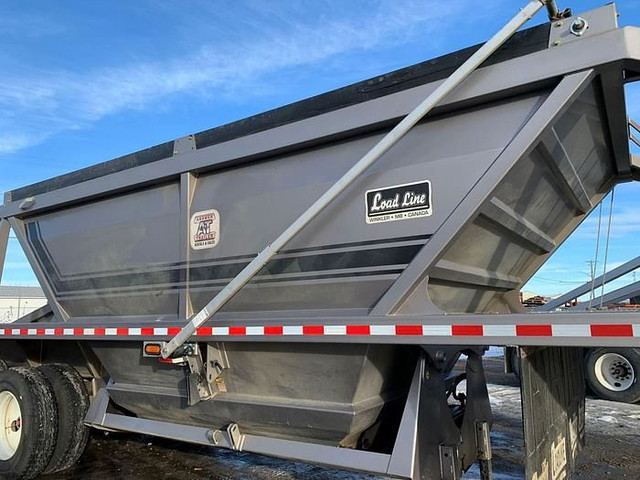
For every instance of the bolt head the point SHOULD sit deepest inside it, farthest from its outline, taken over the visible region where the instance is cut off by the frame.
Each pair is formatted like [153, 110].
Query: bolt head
[579, 24]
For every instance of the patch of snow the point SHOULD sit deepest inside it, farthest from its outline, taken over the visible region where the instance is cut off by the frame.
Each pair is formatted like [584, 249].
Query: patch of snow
[607, 418]
[474, 474]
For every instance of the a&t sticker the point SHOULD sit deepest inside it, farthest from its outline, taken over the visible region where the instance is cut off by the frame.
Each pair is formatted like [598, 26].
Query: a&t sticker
[205, 229]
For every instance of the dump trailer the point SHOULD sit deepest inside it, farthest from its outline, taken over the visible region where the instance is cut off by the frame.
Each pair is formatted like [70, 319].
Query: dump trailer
[300, 283]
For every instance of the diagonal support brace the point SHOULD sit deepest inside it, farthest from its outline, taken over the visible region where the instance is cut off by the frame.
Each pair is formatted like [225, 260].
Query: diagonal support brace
[389, 140]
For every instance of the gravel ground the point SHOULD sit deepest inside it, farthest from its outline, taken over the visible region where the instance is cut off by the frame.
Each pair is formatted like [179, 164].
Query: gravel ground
[613, 449]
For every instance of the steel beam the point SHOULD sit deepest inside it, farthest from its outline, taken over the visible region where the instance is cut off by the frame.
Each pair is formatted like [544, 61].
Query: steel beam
[5, 230]
[615, 110]
[579, 329]
[619, 295]
[525, 141]
[18, 229]
[292, 450]
[188, 183]
[404, 458]
[455, 272]
[314, 453]
[504, 216]
[554, 153]
[634, 129]
[629, 266]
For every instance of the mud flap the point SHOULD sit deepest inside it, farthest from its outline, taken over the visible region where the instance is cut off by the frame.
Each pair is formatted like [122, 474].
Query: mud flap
[553, 410]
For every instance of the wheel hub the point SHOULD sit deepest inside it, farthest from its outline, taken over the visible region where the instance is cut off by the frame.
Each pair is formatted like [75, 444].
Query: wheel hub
[16, 424]
[11, 421]
[614, 372]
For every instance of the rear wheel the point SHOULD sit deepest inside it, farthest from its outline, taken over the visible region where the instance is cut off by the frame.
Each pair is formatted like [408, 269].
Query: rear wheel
[29, 421]
[73, 403]
[612, 373]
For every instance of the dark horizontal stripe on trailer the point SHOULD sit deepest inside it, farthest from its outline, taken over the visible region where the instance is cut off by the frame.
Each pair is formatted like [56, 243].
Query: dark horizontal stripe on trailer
[35, 236]
[522, 43]
[373, 257]
[329, 276]
[328, 261]
[358, 244]
[208, 285]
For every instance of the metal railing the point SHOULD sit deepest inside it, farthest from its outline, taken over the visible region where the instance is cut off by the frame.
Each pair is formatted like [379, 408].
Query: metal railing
[634, 129]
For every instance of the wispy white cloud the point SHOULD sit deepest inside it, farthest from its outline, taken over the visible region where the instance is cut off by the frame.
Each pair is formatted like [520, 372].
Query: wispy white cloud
[36, 106]
[625, 221]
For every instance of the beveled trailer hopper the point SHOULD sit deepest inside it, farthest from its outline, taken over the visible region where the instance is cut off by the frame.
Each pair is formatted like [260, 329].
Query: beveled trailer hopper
[345, 335]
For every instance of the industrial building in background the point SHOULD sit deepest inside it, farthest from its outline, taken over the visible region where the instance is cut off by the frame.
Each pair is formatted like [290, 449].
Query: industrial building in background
[17, 301]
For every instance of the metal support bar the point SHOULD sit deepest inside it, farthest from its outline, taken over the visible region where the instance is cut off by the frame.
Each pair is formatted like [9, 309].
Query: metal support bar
[404, 458]
[554, 153]
[428, 439]
[615, 101]
[477, 409]
[456, 272]
[18, 229]
[625, 293]
[554, 13]
[306, 452]
[504, 216]
[586, 287]
[198, 386]
[634, 127]
[187, 189]
[4, 242]
[98, 408]
[483, 441]
[552, 108]
[354, 172]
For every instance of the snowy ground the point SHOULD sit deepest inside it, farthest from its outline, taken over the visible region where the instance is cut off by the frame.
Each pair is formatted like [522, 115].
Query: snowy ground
[613, 449]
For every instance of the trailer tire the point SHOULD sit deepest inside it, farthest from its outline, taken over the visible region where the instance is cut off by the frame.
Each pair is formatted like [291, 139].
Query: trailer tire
[25, 449]
[73, 403]
[612, 373]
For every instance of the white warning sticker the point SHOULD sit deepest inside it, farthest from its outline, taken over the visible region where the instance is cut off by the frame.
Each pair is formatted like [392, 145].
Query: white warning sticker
[205, 229]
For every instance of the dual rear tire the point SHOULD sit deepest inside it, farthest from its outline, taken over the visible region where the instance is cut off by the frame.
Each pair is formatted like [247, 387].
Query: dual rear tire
[41, 414]
[613, 373]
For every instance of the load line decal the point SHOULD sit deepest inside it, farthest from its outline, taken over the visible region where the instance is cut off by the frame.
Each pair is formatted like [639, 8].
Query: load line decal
[533, 330]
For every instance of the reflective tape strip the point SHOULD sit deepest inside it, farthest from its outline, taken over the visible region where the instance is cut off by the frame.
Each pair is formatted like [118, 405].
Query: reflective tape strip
[571, 331]
[487, 331]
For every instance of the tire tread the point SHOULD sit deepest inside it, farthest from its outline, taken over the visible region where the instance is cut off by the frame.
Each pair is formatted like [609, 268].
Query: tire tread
[73, 403]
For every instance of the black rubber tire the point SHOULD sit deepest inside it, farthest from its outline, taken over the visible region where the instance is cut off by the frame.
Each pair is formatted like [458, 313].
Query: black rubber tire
[631, 394]
[39, 422]
[3, 365]
[73, 403]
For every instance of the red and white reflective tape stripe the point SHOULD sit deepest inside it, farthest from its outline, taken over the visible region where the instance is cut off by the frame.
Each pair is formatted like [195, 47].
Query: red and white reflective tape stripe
[531, 330]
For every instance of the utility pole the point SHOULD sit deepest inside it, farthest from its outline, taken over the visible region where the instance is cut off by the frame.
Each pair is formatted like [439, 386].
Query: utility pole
[592, 273]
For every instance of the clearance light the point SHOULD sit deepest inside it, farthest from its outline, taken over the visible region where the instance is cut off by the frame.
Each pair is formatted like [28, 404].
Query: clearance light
[152, 349]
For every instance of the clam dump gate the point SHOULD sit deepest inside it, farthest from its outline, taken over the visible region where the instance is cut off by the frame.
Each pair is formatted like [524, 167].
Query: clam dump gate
[336, 345]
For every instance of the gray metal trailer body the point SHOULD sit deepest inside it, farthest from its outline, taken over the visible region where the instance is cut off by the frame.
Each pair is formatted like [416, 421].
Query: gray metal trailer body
[344, 338]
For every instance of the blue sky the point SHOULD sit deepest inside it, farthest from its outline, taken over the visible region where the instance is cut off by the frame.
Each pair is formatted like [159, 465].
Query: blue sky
[83, 82]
